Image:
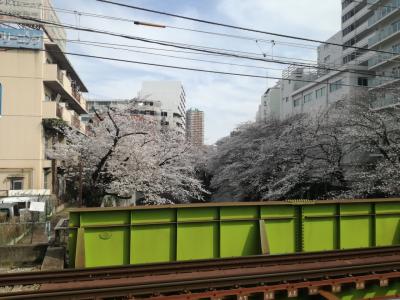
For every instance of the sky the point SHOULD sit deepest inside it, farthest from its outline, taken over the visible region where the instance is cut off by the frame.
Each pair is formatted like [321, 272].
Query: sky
[227, 101]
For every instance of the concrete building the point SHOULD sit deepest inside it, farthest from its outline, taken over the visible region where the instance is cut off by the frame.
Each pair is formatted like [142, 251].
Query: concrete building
[372, 24]
[270, 106]
[195, 127]
[384, 24]
[39, 88]
[149, 108]
[172, 97]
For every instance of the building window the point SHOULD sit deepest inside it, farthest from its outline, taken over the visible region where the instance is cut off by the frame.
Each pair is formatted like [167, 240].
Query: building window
[17, 183]
[362, 81]
[320, 92]
[164, 114]
[287, 99]
[308, 97]
[335, 86]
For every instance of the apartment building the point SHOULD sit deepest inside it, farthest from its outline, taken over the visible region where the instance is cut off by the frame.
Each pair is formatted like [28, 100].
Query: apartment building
[172, 97]
[39, 89]
[385, 26]
[149, 108]
[195, 127]
[270, 104]
[369, 24]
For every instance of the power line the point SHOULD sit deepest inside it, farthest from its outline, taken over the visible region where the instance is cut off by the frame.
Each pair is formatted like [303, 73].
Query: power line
[240, 27]
[180, 68]
[177, 45]
[68, 11]
[50, 8]
[192, 69]
[183, 44]
[172, 56]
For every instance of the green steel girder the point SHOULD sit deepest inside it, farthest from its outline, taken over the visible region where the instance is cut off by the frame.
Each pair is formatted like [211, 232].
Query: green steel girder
[120, 236]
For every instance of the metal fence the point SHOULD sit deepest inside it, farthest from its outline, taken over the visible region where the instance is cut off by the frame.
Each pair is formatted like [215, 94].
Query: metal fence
[14, 232]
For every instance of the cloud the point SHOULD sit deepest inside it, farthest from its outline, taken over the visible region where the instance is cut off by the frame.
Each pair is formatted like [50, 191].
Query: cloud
[226, 100]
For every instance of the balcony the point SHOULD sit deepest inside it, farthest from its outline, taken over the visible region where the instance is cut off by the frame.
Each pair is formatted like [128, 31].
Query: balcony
[57, 80]
[383, 12]
[51, 110]
[386, 101]
[384, 34]
[382, 59]
[75, 122]
[54, 110]
[380, 82]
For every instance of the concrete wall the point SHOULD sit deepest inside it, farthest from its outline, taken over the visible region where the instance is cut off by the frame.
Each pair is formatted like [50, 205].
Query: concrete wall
[22, 255]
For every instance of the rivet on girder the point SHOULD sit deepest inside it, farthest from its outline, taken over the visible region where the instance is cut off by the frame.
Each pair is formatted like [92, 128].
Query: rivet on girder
[269, 295]
[360, 285]
[292, 293]
[313, 290]
[383, 282]
[336, 288]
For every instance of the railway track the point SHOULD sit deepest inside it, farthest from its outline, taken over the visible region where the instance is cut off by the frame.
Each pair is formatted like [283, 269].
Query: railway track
[198, 276]
[40, 277]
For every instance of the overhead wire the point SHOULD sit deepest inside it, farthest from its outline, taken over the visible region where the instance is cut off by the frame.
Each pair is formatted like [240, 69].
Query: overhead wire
[180, 45]
[239, 27]
[82, 13]
[182, 28]
[324, 82]
[171, 56]
[107, 58]
[221, 34]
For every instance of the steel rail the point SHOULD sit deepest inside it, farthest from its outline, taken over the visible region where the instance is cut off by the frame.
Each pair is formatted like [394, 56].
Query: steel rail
[67, 275]
[198, 282]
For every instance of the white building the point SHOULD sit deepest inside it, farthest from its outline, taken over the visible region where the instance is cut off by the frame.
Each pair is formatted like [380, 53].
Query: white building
[270, 106]
[149, 108]
[372, 24]
[172, 97]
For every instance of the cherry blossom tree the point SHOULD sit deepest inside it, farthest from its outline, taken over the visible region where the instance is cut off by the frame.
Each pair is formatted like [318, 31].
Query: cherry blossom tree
[374, 131]
[125, 153]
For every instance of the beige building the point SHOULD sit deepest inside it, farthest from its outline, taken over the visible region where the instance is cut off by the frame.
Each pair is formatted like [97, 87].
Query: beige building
[39, 88]
[195, 127]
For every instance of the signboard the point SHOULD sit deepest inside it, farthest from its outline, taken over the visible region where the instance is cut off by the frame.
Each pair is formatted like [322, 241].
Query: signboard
[37, 9]
[21, 193]
[21, 38]
[37, 206]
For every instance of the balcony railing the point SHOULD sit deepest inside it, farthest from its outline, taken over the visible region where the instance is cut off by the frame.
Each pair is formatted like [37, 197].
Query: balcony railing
[59, 111]
[380, 58]
[386, 100]
[383, 11]
[60, 76]
[384, 33]
[381, 81]
[76, 94]
[75, 122]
